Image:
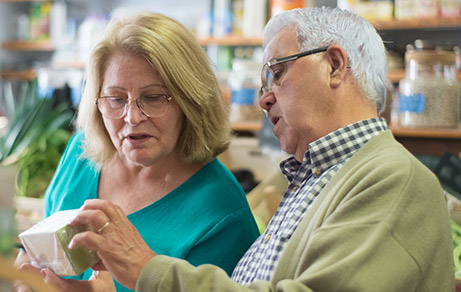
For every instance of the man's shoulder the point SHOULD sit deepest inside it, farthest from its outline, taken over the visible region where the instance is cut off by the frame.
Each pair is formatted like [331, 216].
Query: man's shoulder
[384, 153]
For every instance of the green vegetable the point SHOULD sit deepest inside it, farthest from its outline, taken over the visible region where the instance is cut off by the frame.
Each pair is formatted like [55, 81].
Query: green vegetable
[37, 163]
[29, 117]
[456, 233]
[35, 136]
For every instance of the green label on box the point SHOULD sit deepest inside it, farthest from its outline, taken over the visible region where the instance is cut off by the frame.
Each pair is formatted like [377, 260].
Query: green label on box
[80, 258]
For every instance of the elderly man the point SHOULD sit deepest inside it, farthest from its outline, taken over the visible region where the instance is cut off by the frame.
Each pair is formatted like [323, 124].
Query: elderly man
[360, 213]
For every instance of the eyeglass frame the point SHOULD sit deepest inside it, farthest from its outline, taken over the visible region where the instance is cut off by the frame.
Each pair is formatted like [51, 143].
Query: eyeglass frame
[282, 60]
[127, 100]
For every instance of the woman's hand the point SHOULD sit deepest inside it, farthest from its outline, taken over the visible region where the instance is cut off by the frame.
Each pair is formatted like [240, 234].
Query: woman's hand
[117, 242]
[22, 262]
[98, 282]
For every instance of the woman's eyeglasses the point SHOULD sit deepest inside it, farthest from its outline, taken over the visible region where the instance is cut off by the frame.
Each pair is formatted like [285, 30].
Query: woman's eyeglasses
[152, 105]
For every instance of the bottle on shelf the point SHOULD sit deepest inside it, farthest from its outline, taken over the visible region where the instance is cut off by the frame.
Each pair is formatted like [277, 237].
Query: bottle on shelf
[222, 18]
[58, 22]
[429, 93]
[278, 6]
[254, 18]
[244, 85]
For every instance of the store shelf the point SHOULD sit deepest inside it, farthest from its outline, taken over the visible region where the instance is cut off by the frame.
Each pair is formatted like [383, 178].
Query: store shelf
[426, 133]
[71, 64]
[418, 141]
[231, 40]
[397, 75]
[24, 75]
[396, 130]
[429, 141]
[419, 23]
[246, 127]
[28, 46]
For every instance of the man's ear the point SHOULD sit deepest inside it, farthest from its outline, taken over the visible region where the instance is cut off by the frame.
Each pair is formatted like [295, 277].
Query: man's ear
[339, 66]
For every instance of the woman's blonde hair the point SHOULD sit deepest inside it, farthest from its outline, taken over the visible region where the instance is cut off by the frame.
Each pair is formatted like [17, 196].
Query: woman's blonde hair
[174, 52]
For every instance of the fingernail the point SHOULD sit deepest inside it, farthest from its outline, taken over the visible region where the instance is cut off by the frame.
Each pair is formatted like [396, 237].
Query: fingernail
[71, 244]
[44, 274]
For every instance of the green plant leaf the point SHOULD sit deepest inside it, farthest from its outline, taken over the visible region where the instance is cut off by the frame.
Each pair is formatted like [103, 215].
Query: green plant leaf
[10, 109]
[30, 117]
[25, 125]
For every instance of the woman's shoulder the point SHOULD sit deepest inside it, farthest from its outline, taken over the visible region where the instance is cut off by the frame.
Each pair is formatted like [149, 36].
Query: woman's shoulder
[73, 156]
[216, 174]
[76, 141]
[219, 185]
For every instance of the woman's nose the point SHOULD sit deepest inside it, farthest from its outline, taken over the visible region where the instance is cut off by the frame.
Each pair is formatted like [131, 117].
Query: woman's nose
[133, 114]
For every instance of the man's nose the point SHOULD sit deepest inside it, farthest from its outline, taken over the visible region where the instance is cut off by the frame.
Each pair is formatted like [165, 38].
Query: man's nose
[267, 100]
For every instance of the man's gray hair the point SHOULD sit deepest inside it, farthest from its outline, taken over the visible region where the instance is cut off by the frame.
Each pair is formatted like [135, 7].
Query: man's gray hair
[323, 26]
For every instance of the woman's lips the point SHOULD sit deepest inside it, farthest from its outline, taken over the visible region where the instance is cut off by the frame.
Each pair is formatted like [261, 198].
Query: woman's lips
[138, 138]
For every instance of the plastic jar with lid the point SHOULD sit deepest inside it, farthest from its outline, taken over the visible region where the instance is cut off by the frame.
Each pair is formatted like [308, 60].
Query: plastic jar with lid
[429, 94]
[244, 83]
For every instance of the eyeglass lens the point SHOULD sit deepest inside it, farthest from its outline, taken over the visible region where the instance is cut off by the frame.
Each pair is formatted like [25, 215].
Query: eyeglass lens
[153, 106]
[267, 74]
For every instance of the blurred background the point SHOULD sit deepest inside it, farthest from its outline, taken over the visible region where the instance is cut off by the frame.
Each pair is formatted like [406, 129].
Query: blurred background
[45, 45]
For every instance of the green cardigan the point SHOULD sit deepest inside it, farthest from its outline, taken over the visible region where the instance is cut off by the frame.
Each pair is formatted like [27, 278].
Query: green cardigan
[380, 224]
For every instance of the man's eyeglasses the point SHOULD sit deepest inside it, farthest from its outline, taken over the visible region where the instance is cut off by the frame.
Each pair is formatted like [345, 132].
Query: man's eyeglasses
[270, 74]
[152, 105]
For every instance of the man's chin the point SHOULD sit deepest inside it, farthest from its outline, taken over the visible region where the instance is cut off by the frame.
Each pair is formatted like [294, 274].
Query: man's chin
[287, 147]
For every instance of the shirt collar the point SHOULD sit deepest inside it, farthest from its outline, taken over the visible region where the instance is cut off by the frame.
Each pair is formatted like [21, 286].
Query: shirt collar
[334, 147]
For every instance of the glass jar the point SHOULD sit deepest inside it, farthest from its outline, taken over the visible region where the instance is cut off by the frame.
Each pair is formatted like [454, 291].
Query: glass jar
[244, 83]
[429, 93]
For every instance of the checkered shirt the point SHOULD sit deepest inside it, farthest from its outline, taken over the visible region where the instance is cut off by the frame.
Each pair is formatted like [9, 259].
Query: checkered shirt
[320, 163]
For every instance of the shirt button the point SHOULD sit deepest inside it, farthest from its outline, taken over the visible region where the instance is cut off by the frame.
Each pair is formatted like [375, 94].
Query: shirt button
[317, 172]
[268, 237]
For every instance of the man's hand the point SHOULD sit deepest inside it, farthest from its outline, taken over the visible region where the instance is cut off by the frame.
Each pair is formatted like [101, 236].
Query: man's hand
[117, 242]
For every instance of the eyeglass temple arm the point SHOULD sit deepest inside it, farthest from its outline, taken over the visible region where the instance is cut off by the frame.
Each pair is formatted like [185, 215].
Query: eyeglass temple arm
[294, 57]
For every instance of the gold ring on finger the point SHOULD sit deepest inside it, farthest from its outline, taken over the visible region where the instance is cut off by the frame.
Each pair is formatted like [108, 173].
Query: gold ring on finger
[103, 227]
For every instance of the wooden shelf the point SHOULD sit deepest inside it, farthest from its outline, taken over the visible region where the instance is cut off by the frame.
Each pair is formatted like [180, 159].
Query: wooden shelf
[426, 133]
[71, 64]
[24, 75]
[44, 46]
[419, 23]
[396, 130]
[246, 127]
[418, 141]
[232, 40]
[429, 141]
[396, 75]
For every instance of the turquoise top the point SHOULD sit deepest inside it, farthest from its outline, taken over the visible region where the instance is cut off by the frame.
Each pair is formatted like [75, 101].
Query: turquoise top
[205, 220]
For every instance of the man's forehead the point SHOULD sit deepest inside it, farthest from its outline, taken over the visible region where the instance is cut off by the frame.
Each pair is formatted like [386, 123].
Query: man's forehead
[283, 43]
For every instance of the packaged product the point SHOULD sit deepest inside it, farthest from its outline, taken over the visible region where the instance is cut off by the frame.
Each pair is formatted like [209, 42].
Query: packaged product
[46, 244]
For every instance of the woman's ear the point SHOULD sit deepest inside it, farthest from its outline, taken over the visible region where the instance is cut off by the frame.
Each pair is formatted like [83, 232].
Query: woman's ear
[339, 65]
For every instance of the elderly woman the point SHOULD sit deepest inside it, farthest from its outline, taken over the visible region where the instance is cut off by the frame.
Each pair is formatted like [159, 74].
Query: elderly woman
[152, 122]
